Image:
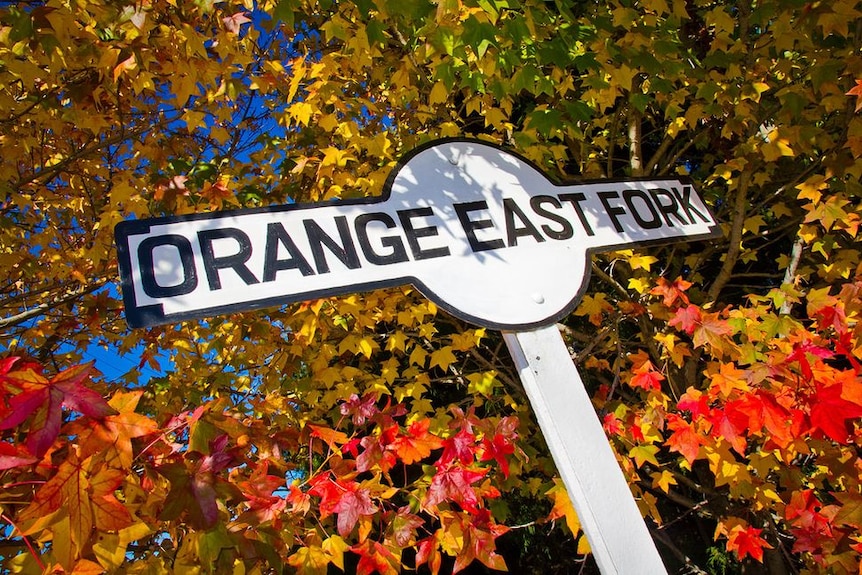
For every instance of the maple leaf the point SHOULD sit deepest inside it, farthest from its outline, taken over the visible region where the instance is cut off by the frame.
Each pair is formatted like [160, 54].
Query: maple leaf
[12, 456]
[730, 424]
[563, 507]
[746, 541]
[763, 410]
[728, 379]
[594, 307]
[856, 91]
[332, 437]
[311, 560]
[117, 431]
[43, 400]
[404, 526]
[360, 409]
[671, 292]
[686, 318]
[377, 452]
[477, 540]
[258, 492]
[694, 401]
[646, 377]
[233, 23]
[830, 412]
[416, 443]
[376, 558]
[460, 447]
[428, 552]
[713, 330]
[685, 438]
[352, 503]
[454, 483]
[498, 448]
[85, 489]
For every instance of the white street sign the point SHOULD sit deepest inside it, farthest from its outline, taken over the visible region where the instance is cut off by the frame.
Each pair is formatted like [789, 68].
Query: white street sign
[482, 233]
[479, 230]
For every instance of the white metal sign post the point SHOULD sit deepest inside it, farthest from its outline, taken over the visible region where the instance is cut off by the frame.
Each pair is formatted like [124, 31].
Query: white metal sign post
[482, 233]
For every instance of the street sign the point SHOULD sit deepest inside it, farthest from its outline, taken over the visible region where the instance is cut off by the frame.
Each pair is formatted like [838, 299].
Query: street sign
[477, 229]
[482, 233]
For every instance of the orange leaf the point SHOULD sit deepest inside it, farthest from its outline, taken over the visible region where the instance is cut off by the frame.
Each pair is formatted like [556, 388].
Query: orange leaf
[856, 91]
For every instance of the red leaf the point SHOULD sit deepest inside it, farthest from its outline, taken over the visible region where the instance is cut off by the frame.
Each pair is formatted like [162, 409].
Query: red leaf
[79, 397]
[360, 409]
[43, 400]
[13, 456]
[830, 413]
[646, 377]
[746, 541]
[730, 424]
[453, 483]
[353, 503]
[460, 447]
[498, 448]
[686, 318]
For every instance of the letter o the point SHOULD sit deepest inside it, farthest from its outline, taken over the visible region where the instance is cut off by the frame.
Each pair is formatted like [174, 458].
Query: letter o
[147, 265]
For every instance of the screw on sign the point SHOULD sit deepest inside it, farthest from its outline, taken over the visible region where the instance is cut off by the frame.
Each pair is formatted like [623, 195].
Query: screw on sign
[478, 230]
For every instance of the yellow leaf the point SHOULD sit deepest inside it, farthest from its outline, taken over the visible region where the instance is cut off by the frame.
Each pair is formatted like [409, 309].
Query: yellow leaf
[309, 561]
[418, 356]
[443, 357]
[640, 285]
[644, 454]
[663, 480]
[108, 551]
[776, 147]
[335, 547]
[329, 122]
[396, 340]
[642, 262]
[301, 112]
[811, 189]
[439, 94]
[482, 383]
[563, 507]
[366, 346]
[296, 77]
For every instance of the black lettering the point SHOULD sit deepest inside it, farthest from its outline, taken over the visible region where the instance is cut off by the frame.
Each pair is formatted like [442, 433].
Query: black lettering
[275, 235]
[576, 200]
[397, 253]
[317, 238]
[613, 211]
[413, 234]
[685, 202]
[510, 210]
[148, 274]
[470, 226]
[565, 232]
[669, 209]
[236, 262]
[629, 196]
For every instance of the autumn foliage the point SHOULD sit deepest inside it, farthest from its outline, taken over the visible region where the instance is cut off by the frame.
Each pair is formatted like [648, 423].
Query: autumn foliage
[372, 433]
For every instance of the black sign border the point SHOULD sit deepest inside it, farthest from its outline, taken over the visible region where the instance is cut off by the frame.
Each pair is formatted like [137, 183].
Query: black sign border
[152, 315]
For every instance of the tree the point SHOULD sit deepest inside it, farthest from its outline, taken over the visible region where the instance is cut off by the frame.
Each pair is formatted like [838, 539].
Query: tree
[373, 433]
